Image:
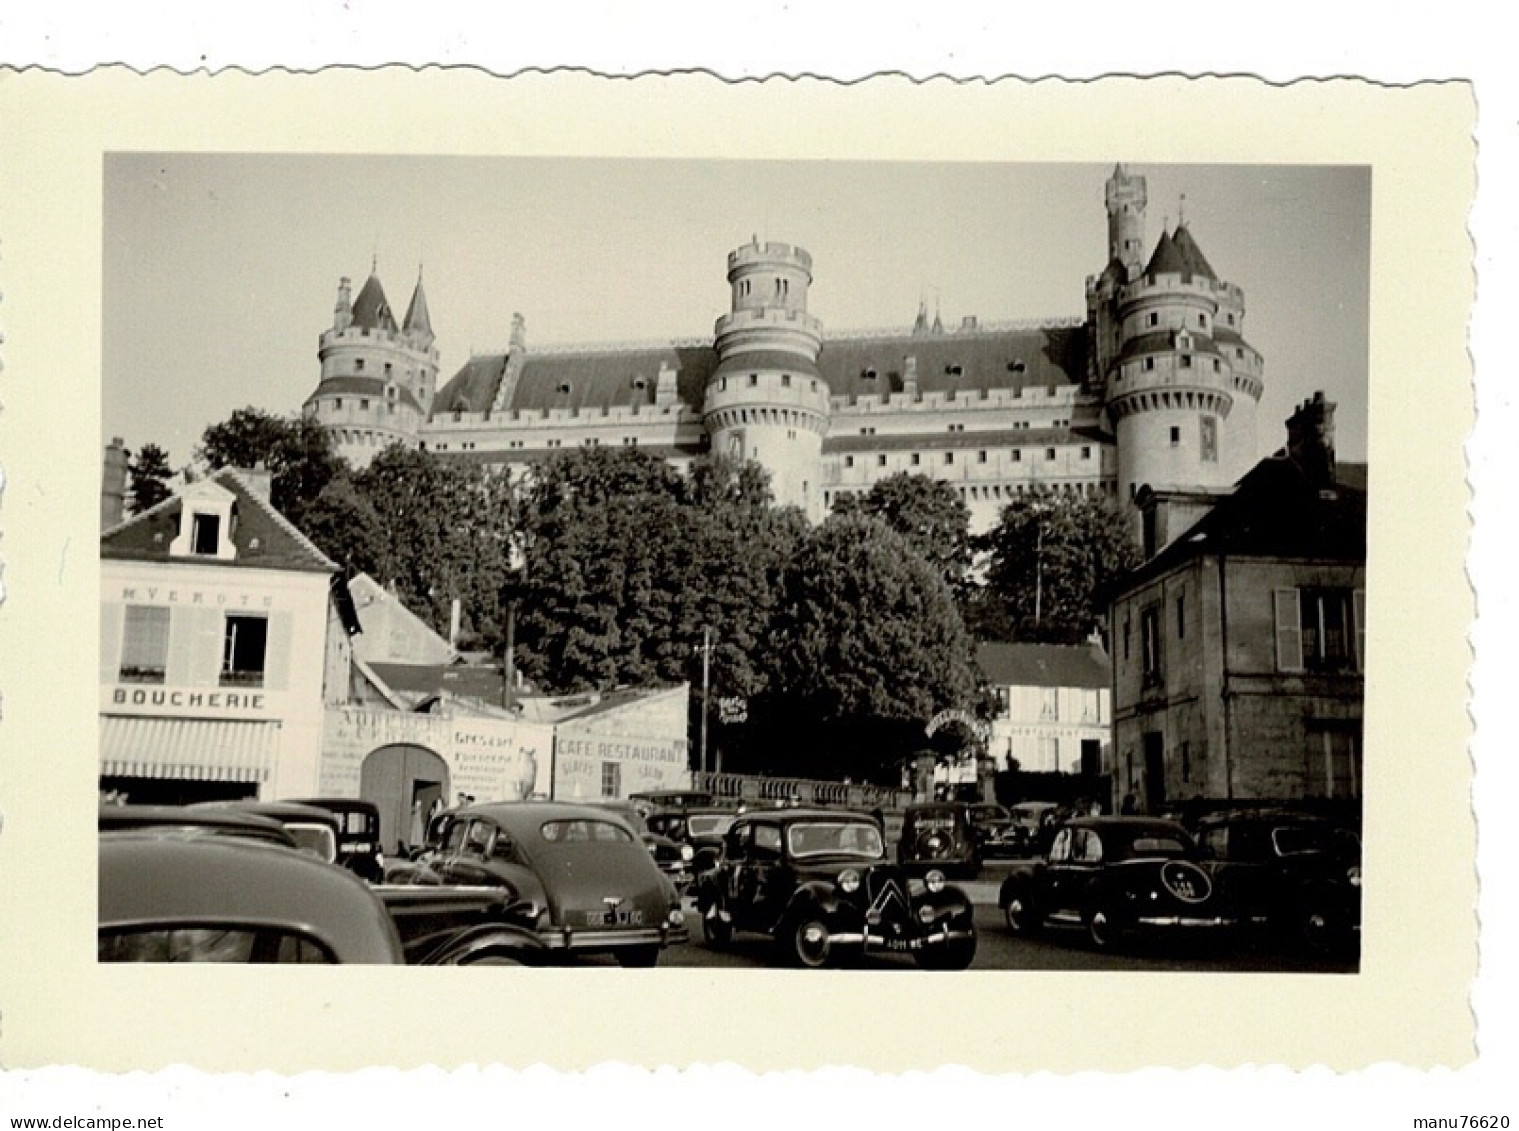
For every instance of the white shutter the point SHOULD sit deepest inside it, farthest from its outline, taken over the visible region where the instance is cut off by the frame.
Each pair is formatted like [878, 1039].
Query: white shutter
[277, 649]
[111, 620]
[1358, 610]
[1289, 631]
[195, 648]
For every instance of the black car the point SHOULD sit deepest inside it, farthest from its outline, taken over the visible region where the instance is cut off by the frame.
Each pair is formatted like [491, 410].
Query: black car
[1296, 874]
[358, 834]
[939, 835]
[819, 883]
[994, 830]
[1117, 877]
[701, 829]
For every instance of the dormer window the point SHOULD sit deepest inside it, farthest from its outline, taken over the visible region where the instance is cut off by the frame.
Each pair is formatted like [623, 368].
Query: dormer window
[1017, 365]
[205, 534]
[564, 386]
[869, 375]
[954, 370]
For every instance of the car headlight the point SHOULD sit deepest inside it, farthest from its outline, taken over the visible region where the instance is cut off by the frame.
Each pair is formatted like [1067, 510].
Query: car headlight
[934, 881]
[687, 853]
[677, 917]
[1354, 875]
[849, 881]
[926, 913]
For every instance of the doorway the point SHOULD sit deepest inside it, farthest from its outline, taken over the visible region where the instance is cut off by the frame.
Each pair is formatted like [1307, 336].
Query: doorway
[1155, 771]
[406, 783]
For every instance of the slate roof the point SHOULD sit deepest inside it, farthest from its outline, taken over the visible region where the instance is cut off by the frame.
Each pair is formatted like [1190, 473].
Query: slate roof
[1044, 665]
[371, 310]
[1179, 255]
[417, 319]
[1275, 511]
[960, 361]
[264, 538]
[366, 387]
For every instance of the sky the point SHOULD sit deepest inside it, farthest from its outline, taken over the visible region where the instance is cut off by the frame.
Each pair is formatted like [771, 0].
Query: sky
[221, 270]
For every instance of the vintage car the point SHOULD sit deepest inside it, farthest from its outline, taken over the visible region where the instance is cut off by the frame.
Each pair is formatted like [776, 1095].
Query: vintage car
[586, 883]
[650, 800]
[1295, 874]
[213, 888]
[674, 857]
[315, 830]
[358, 834]
[701, 829]
[216, 898]
[1036, 821]
[995, 831]
[819, 883]
[179, 820]
[1116, 877]
[939, 835]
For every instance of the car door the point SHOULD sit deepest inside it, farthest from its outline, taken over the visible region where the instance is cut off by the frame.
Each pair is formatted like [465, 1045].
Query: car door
[1069, 874]
[468, 863]
[767, 892]
[734, 875]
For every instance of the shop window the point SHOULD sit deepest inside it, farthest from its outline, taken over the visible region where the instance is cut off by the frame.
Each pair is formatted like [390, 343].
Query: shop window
[244, 644]
[144, 644]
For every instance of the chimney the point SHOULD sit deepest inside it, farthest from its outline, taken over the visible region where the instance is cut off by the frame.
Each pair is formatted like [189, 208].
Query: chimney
[519, 332]
[113, 484]
[667, 390]
[1310, 440]
[342, 311]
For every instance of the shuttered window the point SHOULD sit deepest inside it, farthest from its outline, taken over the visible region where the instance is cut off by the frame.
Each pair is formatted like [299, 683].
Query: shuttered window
[144, 644]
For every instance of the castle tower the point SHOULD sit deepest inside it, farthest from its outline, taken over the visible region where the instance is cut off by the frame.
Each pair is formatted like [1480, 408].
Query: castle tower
[1173, 384]
[1126, 195]
[766, 400]
[377, 377]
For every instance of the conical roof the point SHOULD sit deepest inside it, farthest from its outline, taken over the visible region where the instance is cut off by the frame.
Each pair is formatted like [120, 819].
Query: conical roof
[1166, 260]
[417, 321]
[371, 310]
[1191, 254]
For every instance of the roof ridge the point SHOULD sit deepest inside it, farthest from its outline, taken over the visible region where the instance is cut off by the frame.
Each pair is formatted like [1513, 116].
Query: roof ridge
[279, 519]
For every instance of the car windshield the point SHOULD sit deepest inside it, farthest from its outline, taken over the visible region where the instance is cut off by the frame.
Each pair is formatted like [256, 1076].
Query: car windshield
[833, 838]
[584, 830]
[988, 814]
[709, 826]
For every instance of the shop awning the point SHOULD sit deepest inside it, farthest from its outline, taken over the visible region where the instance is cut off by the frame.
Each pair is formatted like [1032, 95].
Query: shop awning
[187, 749]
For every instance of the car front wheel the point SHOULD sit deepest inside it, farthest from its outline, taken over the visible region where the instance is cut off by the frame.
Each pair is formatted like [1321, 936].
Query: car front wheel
[806, 940]
[955, 955]
[1021, 917]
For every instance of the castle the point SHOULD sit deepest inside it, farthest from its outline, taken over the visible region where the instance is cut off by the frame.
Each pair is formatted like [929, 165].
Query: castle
[1151, 397]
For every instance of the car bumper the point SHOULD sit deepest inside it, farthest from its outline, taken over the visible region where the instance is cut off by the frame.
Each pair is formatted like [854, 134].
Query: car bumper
[870, 941]
[588, 940]
[1186, 922]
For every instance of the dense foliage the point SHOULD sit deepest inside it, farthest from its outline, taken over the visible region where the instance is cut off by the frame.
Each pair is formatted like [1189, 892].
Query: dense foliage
[148, 475]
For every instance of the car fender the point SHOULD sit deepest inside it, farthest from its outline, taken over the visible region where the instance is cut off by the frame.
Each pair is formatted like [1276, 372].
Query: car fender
[818, 896]
[487, 940]
[949, 902]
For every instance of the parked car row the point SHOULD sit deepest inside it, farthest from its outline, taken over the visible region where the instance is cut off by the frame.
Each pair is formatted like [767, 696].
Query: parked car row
[1289, 876]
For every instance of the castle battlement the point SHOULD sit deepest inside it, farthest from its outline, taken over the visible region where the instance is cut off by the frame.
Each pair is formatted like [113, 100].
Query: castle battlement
[769, 253]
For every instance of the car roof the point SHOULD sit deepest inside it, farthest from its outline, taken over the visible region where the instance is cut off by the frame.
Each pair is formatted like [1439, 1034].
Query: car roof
[282, 811]
[116, 817]
[791, 816]
[148, 880]
[521, 814]
[338, 804]
[1118, 824]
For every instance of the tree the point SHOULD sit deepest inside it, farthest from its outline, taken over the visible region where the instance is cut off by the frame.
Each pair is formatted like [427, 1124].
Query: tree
[344, 524]
[297, 452]
[1049, 555]
[149, 475]
[444, 533]
[929, 514]
[867, 634]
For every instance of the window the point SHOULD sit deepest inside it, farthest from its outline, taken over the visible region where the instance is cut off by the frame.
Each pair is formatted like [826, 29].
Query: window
[849, 461]
[205, 534]
[916, 459]
[363, 402]
[1208, 438]
[1334, 760]
[1086, 453]
[337, 403]
[1186, 361]
[611, 779]
[358, 365]
[785, 380]
[1049, 453]
[1017, 456]
[1091, 705]
[980, 457]
[1202, 321]
[1186, 761]
[387, 369]
[1181, 617]
[753, 380]
[1049, 753]
[957, 428]
[949, 457]
[244, 642]
[1175, 437]
[1153, 320]
[1149, 629]
[144, 644]
[1149, 364]
[1049, 703]
[880, 461]
[1320, 630]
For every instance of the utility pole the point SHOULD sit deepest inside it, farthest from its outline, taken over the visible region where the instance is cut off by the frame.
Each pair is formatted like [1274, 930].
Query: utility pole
[1039, 569]
[706, 684]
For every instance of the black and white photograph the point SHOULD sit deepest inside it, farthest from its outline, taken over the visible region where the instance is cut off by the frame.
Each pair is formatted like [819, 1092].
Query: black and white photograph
[985, 588]
[787, 575]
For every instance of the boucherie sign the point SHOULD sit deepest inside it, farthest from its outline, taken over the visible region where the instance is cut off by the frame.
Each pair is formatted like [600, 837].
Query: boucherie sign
[180, 700]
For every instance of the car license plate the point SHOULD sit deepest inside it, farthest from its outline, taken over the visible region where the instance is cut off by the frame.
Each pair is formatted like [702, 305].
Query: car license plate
[613, 918]
[903, 944]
